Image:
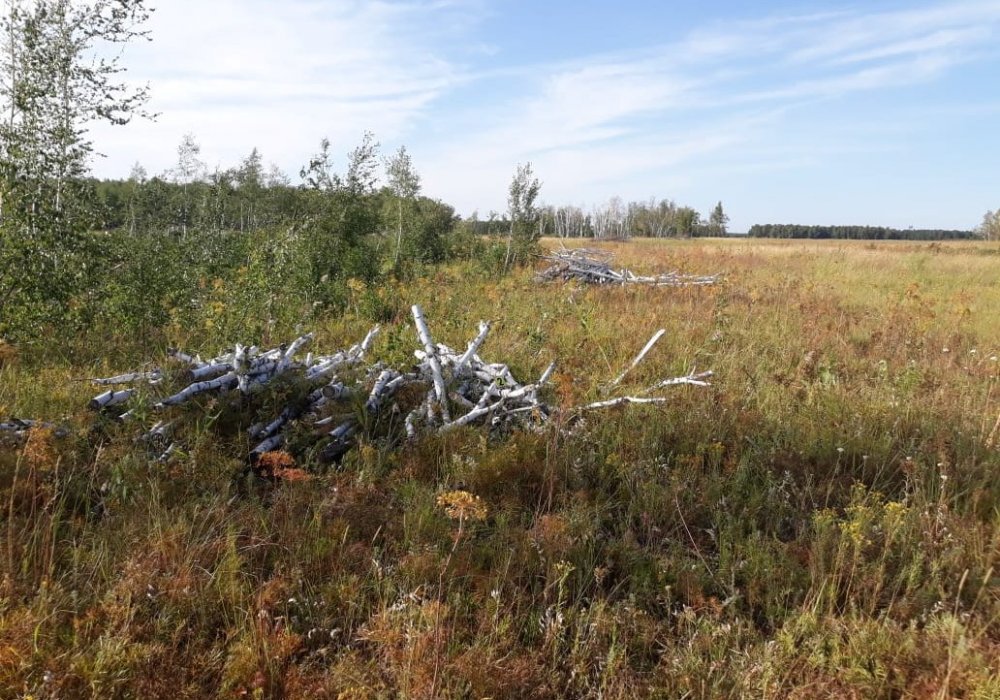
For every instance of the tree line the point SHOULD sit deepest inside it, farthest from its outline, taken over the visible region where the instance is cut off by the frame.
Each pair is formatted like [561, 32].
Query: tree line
[877, 233]
[616, 219]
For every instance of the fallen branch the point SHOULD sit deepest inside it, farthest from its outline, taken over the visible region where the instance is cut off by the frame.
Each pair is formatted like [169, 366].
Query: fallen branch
[638, 358]
[594, 267]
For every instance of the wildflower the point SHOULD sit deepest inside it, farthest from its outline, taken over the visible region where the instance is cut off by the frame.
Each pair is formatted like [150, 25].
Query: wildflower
[462, 505]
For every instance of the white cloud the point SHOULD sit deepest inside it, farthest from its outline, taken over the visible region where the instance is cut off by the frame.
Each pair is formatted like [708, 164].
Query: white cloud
[240, 73]
[721, 92]
[430, 73]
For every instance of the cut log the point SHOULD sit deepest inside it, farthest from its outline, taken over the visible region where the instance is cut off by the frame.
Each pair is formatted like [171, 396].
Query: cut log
[638, 358]
[110, 398]
[424, 334]
[130, 378]
[226, 381]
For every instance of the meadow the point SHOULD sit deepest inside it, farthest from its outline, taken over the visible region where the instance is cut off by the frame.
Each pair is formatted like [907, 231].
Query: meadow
[823, 521]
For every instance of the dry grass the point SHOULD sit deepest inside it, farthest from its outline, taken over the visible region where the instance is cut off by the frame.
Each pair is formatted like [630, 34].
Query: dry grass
[823, 522]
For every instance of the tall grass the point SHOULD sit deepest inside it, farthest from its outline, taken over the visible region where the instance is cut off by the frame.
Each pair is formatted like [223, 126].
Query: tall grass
[823, 522]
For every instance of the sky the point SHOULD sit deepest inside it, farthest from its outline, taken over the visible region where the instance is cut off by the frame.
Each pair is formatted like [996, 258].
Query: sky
[878, 113]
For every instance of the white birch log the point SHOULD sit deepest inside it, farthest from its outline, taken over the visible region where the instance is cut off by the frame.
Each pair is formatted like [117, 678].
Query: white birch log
[377, 393]
[484, 329]
[240, 365]
[266, 367]
[693, 379]
[343, 431]
[458, 398]
[327, 365]
[411, 421]
[366, 344]
[261, 431]
[488, 394]
[334, 391]
[168, 453]
[226, 381]
[183, 357]
[547, 374]
[110, 398]
[19, 427]
[159, 434]
[424, 334]
[473, 415]
[638, 358]
[293, 348]
[621, 401]
[130, 378]
[268, 445]
[208, 370]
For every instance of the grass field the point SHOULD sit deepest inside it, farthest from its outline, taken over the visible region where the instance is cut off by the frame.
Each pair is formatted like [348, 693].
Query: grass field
[824, 521]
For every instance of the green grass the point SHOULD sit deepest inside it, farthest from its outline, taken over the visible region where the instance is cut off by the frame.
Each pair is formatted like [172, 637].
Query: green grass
[824, 521]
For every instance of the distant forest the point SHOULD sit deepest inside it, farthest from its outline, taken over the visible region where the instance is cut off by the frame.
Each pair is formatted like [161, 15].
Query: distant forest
[875, 233]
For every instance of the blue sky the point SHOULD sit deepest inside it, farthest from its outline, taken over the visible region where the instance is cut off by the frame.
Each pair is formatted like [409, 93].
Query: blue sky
[882, 113]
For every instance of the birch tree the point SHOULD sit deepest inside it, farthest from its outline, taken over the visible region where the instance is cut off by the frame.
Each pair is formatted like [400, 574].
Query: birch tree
[190, 168]
[521, 197]
[404, 183]
[990, 228]
[60, 71]
[717, 220]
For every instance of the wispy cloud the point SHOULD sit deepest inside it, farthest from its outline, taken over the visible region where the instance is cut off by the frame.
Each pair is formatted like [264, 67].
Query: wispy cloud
[240, 73]
[640, 116]
[764, 93]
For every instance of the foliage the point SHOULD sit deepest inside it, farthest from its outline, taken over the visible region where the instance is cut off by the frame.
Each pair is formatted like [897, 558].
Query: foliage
[404, 185]
[717, 221]
[990, 228]
[616, 219]
[56, 80]
[523, 214]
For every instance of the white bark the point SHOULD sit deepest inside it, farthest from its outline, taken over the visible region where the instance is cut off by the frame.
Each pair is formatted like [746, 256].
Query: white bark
[432, 361]
[547, 374]
[183, 357]
[226, 381]
[621, 401]
[693, 379]
[110, 398]
[268, 445]
[130, 378]
[213, 369]
[484, 329]
[638, 358]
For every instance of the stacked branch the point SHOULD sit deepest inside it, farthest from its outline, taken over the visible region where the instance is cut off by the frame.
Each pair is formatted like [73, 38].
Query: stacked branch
[483, 392]
[337, 396]
[594, 267]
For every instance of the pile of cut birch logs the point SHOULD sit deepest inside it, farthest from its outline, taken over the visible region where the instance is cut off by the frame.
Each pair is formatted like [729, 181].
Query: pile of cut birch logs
[593, 266]
[342, 393]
